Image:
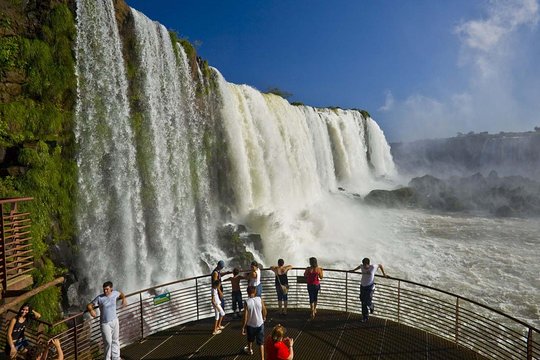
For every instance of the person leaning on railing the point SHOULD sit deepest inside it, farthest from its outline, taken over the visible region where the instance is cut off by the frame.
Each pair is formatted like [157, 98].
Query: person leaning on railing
[367, 286]
[110, 329]
[282, 284]
[313, 275]
[16, 341]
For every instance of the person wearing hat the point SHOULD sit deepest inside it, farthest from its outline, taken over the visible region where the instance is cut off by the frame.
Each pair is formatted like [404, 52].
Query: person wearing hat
[216, 275]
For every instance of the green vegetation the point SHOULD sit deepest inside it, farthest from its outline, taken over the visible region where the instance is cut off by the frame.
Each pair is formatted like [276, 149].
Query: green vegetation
[365, 114]
[297, 103]
[37, 124]
[276, 91]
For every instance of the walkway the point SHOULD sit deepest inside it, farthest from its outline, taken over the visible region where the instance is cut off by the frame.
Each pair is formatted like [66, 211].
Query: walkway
[332, 335]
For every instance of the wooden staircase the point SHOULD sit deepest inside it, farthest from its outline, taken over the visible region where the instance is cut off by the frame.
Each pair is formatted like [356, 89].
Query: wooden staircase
[16, 256]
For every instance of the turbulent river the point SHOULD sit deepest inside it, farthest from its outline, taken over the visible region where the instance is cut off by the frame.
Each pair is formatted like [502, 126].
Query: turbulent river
[489, 260]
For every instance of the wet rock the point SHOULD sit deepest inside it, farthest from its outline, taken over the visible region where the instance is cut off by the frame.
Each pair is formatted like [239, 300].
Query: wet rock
[402, 197]
[234, 240]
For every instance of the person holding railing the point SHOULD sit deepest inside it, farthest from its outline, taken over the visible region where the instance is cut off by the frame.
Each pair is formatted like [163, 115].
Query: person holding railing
[15, 339]
[282, 284]
[236, 293]
[110, 329]
[313, 275]
[367, 286]
[216, 275]
[254, 278]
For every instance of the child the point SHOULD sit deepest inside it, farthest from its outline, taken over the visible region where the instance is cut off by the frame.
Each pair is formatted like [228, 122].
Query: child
[216, 303]
[237, 304]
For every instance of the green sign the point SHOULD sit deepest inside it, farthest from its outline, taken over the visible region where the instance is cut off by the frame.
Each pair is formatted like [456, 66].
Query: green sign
[162, 298]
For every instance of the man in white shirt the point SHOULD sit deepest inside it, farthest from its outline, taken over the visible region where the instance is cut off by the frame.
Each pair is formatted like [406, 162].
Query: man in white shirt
[254, 317]
[110, 329]
[367, 286]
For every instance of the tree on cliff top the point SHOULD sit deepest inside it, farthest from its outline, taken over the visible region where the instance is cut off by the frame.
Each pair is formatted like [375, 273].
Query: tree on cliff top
[277, 91]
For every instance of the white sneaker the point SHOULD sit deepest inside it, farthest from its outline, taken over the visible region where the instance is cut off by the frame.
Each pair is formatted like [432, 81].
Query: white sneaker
[218, 331]
[248, 351]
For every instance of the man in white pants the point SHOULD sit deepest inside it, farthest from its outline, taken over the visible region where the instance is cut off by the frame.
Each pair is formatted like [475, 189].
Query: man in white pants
[110, 330]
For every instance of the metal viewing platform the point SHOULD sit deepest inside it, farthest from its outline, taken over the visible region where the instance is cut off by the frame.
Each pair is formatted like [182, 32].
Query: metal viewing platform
[411, 321]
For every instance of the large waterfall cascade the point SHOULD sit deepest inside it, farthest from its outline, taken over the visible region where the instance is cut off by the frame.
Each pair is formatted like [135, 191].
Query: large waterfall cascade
[148, 209]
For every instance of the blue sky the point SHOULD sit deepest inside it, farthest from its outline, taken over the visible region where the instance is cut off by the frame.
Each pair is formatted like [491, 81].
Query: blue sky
[422, 68]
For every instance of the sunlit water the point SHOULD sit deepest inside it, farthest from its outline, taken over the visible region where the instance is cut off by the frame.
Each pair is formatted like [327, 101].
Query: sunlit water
[492, 261]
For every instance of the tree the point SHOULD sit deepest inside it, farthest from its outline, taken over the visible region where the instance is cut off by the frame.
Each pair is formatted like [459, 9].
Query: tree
[276, 91]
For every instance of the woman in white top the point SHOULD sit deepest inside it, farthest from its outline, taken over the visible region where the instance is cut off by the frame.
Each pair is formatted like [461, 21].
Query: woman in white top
[254, 278]
[218, 310]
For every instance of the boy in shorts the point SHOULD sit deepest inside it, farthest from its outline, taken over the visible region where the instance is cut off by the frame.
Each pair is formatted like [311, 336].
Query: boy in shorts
[254, 317]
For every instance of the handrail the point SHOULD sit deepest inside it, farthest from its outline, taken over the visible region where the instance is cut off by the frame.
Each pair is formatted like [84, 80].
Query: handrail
[327, 270]
[427, 308]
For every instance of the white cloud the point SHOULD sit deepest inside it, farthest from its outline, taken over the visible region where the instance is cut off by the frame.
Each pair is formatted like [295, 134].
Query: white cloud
[388, 102]
[483, 41]
[493, 100]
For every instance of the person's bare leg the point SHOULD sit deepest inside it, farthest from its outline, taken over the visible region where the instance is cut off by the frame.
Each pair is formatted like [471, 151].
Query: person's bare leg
[262, 352]
[280, 304]
[285, 307]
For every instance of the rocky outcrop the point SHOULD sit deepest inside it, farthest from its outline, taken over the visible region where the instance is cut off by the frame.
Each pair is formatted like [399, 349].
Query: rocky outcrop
[402, 197]
[234, 240]
[511, 196]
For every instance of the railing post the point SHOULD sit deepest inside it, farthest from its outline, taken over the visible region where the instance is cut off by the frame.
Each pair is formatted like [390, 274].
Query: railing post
[296, 288]
[530, 344]
[142, 322]
[197, 296]
[457, 321]
[398, 300]
[346, 292]
[3, 267]
[75, 341]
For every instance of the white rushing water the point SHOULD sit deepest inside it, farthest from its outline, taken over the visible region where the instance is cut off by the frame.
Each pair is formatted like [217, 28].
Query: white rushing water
[147, 205]
[111, 229]
[489, 260]
[140, 219]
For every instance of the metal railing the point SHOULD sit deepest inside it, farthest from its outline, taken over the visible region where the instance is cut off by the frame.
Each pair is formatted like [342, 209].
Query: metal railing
[467, 323]
[16, 257]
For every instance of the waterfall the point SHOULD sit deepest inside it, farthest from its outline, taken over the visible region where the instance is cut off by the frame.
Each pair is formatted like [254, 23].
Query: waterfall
[381, 158]
[112, 236]
[164, 152]
[287, 159]
[149, 185]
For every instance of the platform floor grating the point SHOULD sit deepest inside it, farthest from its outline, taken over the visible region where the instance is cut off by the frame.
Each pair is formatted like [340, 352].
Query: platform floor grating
[332, 335]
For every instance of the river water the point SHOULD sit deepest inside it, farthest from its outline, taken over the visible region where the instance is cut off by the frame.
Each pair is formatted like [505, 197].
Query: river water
[489, 260]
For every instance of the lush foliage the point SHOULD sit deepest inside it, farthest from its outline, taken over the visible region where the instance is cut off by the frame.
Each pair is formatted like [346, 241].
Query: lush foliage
[38, 126]
[276, 91]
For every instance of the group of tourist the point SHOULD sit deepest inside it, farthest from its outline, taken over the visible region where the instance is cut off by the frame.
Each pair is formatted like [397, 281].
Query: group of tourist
[277, 345]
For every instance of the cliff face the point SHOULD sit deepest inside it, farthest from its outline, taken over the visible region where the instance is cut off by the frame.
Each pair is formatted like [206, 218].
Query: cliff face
[37, 97]
[506, 153]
